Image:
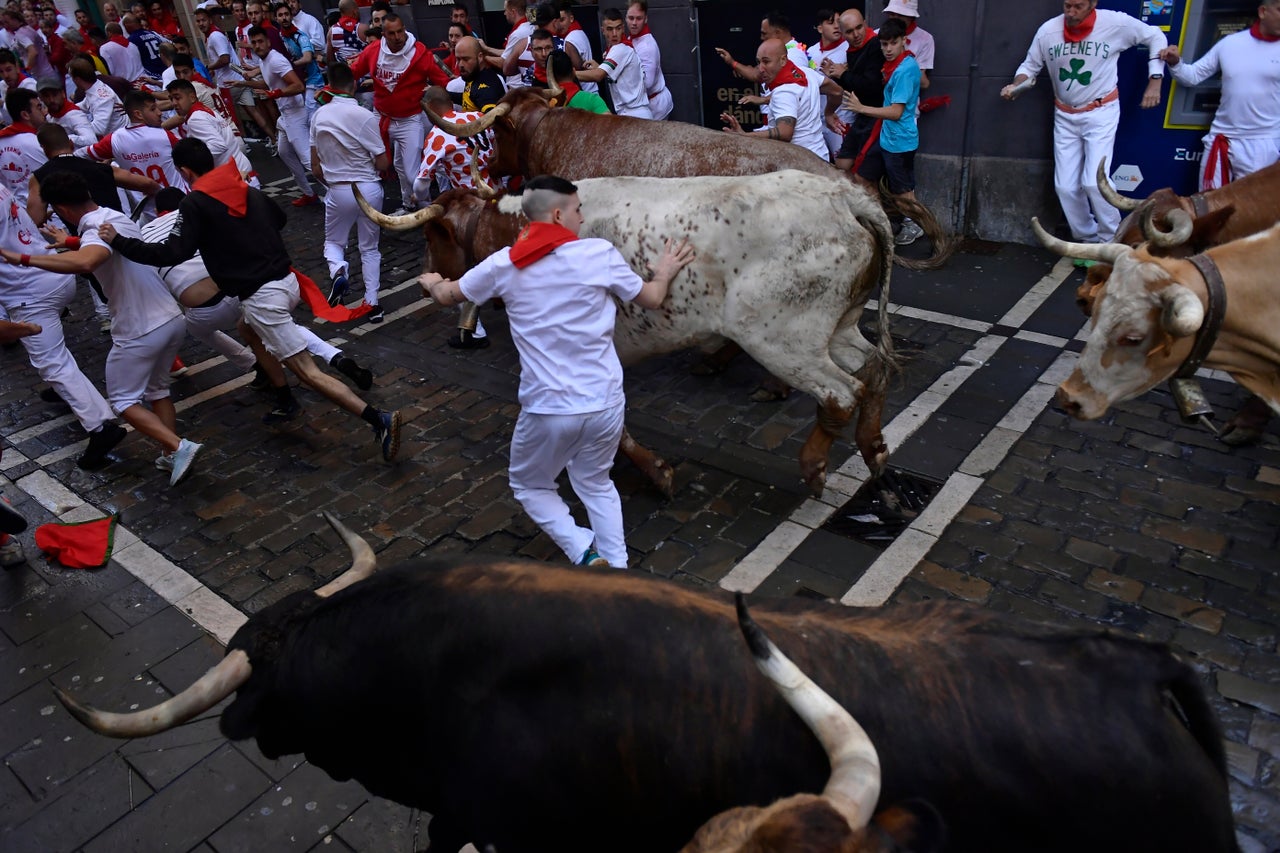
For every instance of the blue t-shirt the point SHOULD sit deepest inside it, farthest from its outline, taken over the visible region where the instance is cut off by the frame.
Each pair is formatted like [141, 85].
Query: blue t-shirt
[901, 136]
[298, 44]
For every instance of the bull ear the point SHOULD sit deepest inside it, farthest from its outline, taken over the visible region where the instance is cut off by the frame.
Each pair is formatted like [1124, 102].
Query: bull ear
[1183, 312]
[1087, 292]
[911, 826]
[1207, 229]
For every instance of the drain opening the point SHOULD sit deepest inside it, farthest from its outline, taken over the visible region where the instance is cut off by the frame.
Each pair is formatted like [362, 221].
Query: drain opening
[883, 508]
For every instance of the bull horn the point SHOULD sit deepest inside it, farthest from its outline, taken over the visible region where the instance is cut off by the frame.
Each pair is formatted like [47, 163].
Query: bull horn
[553, 87]
[363, 560]
[471, 128]
[212, 687]
[1109, 192]
[1107, 253]
[854, 786]
[1180, 225]
[483, 189]
[1183, 313]
[406, 222]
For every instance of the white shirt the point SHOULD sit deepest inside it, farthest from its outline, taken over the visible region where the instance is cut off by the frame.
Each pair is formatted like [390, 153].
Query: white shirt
[1093, 59]
[28, 83]
[122, 60]
[218, 46]
[562, 315]
[274, 69]
[219, 134]
[20, 285]
[646, 47]
[838, 54]
[1250, 67]
[77, 124]
[311, 25]
[621, 65]
[578, 38]
[185, 274]
[20, 155]
[346, 140]
[137, 297]
[805, 105]
[106, 113]
[521, 33]
[920, 43]
[142, 150]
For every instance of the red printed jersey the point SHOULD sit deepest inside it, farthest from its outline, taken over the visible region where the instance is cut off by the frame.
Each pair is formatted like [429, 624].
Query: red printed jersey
[142, 150]
[398, 93]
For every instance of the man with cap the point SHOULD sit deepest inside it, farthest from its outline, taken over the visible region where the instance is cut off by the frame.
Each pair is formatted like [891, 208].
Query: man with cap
[919, 42]
[62, 112]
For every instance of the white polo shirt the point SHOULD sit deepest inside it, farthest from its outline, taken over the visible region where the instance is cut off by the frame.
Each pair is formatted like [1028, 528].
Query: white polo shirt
[137, 297]
[346, 140]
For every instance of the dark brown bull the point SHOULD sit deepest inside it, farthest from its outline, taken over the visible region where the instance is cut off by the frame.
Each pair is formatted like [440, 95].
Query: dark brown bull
[535, 707]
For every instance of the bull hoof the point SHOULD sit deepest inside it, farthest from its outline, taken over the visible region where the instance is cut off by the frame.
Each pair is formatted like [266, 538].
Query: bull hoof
[816, 480]
[664, 480]
[1240, 435]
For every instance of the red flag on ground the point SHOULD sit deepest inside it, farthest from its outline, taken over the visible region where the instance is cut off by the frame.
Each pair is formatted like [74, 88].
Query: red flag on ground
[85, 545]
[319, 303]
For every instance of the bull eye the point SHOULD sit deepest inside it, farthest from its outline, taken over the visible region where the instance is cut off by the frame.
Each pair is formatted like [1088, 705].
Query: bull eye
[1132, 340]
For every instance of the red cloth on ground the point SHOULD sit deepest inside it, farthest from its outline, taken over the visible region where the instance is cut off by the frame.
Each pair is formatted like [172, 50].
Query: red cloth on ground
[86, 545]
[319, 303]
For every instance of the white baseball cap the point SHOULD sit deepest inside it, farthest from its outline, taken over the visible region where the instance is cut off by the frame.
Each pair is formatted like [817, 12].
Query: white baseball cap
[911, 8]
[208, 5]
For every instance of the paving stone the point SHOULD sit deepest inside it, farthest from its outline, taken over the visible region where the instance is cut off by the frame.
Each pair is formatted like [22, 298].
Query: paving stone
[1192, 612]
[952, 583]
[384, 826]
[78, 811]
[294, 815]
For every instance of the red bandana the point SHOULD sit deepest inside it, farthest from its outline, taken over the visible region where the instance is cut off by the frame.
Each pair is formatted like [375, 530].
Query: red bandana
[571, 89]
[224, 184]
[627, 38]
[120, 40]
[572, 27]
[824, 46]
[348, 24]
[911, 26]
[16, 128]
[886, 70]
[292, 29]
[538, 240]
[1080, 33]
[790, 73]
[83, 545]
[1256, 32]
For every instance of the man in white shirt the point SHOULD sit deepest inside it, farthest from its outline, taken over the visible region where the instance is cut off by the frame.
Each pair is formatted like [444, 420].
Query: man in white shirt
[142, 146]
[61, 111]
[31, 295]
[347, 153]
[559, 293]
[646, 47]
[20, 151]
[1245, 134]
[576, 43]
[833, 50]
[11, 77]
[220, 60]
[121, 55]
[620, 67]
[98, 100]
[310, 25]
[213, 129]
[146, 324]
[1081, 49]
[796, 100]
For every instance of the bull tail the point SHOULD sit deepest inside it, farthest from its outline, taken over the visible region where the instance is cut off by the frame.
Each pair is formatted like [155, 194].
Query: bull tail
[878, 225]
[944, 244]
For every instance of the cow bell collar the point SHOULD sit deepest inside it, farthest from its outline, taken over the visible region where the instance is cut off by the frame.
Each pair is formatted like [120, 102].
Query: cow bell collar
[1207, 334]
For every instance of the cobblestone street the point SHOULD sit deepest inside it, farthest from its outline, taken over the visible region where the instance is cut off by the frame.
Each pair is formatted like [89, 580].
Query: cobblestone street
[1137, 522]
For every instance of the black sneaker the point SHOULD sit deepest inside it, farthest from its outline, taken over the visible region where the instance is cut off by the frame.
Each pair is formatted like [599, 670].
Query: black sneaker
[261, 382]
[101, 441]
[282, 412]
[387, 434]
[466, 339]
[50, 395]
[361, 376]
[11, 521]
[339, 289]
[376, 315]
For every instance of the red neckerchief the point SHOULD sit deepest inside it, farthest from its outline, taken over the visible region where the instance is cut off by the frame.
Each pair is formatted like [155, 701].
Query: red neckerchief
[224, 184]
[911, 26]
[824, 47]
[198, 107]
[886, 70]
[292, 29]
[627, 38]
[572, 27]
[1256, 32]
[865, 41]
[538, 240]
[789, 73]
[16, 128]
[67, 107]
[348, 24]
[540, 73]
[1080, 33]
[571, 90]
[197, 77]
[120, 40]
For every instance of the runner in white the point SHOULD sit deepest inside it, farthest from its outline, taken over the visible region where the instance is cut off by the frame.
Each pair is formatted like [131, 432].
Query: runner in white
[646, 47]
[515, 58]
[1081, 49]
[621, 68]
[20, 151]
[211, 128]
[575, 40]
[106, 112]
[830, 48]
[143, 147]
[285, 87]
[62, 112]
[347, 151]
[1245, 134]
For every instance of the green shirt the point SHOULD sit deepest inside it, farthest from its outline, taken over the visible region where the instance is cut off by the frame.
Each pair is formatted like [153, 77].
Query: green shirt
[589, 101]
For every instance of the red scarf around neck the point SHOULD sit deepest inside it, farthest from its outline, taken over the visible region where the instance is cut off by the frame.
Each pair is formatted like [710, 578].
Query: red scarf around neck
[16, 128]
[224, 184]
[571, 89]
[538, 240]
[120, 40]
[886, 70]
[572, 27]
[911, 26]
[1080, 33]
[825, 46]
[1256, 32]
[627, 38]
[789, 73]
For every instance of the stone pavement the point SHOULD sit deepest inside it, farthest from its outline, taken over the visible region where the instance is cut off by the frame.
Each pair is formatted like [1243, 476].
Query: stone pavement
[1136, 522]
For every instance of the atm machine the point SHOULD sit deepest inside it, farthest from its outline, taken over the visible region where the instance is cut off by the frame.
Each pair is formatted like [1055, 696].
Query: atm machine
[1161, 147]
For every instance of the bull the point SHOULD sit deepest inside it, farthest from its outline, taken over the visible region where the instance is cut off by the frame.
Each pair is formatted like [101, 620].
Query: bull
[790, 297]
[1153, 311]
[535, 707]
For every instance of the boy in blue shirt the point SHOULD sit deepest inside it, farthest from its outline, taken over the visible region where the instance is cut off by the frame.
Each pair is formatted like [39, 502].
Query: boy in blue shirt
[893, 153]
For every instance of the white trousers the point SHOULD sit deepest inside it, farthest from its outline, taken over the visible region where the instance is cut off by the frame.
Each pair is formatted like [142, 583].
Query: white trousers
[1080, 142]
[293, 141]
[340, 213]
[407, 136]
[1244, 156]
[585, 445]
[207, 324]
[53, 361]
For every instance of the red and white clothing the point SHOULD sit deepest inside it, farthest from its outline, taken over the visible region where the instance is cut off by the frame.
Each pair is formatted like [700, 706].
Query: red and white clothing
[105, 110]
[219, 134]
[646, 48]
[20, 155]
[294, 135]
[803, 102]
[921, 45]
[839, 54]
[311, 25]
[524, 64]
[622, 69]
[142, 150]
[26, 82]
[75, 122]
[1082, 71]
[122, 57]
[577, 37]
[1247, 122]
[346, 140]
[450, 156]
[399, 79]
[344, 39]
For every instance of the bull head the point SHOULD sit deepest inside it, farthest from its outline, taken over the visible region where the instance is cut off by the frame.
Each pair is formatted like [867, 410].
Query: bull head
[1107, 253]
[406, 222]
[220, 681]
[1180, 226]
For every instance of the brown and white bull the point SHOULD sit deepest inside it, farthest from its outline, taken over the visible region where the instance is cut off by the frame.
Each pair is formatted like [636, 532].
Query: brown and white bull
[1152, 310]
[535, 707]
[786, 263]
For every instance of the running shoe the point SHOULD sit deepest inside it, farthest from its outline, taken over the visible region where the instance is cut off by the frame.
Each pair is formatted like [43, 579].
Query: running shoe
[339, 289]
[387, 434]
[182, 459]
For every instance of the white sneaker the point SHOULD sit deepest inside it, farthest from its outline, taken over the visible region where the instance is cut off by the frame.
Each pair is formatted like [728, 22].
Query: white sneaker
[909, 233]
[182, 459]
[11, 554]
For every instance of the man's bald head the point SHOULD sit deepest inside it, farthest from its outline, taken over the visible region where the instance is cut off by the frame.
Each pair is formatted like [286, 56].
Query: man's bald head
[349, 8]
[467, 53]
[770, 57]
[853, 27]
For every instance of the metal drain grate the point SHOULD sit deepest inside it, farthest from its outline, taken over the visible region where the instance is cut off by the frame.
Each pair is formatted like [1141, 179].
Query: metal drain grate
[883, 508]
